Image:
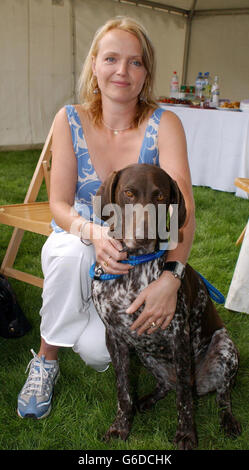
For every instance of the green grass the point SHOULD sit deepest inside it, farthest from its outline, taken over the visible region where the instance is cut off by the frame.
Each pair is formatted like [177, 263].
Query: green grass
[85, 402]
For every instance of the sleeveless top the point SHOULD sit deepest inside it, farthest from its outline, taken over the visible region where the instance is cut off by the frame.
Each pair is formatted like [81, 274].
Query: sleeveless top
[88, 181]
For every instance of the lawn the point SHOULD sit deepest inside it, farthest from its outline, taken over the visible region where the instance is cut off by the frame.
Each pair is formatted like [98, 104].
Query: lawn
[84, 404]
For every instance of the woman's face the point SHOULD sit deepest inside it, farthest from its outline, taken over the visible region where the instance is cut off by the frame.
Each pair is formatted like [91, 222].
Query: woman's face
[119, 66]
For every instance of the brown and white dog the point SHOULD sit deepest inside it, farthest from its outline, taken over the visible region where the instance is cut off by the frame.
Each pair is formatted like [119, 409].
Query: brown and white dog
[195, 351]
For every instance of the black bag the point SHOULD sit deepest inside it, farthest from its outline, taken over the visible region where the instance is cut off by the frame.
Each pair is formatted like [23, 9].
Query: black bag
[13, 322]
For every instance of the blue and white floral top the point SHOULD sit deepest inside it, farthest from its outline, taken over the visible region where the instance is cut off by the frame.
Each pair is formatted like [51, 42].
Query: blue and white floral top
[88, 181]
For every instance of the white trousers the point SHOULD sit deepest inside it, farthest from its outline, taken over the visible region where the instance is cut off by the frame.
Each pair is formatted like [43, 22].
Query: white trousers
[68, 316]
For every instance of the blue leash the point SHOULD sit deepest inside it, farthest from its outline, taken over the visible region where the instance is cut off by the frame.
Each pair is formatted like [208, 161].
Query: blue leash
[97, 273]
[214, 293]
[133, 260]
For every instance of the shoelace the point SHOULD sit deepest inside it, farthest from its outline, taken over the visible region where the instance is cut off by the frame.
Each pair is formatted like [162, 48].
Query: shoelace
[37, 374]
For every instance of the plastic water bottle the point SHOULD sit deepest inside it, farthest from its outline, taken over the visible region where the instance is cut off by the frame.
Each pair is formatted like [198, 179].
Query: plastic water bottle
[207, 85]
[174, 86]
[199, 85]
[207, 88]
[215, 92]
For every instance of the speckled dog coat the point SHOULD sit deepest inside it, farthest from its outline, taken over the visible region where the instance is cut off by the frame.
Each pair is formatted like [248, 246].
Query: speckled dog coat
[194, 353]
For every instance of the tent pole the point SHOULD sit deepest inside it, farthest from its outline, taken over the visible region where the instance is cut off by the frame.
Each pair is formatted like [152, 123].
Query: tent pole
[187, 43]
[222, 11]
[156, 5]
[73, 30]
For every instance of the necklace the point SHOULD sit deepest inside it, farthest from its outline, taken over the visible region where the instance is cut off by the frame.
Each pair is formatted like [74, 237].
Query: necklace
[116, 131]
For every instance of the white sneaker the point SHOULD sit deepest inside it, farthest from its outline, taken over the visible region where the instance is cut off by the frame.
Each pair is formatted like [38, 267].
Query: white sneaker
[34, 400]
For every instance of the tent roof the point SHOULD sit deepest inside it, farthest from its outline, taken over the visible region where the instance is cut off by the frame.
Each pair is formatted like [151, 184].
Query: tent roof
[198, 7]
[207, 4]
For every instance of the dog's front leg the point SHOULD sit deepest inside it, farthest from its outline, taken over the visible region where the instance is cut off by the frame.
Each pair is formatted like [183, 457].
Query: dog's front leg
[185, 437]
[119, 353]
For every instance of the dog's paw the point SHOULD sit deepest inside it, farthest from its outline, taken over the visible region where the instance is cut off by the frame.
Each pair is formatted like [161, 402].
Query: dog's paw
[119, 430]
[230, 425]
[145, 403]
[185, 440]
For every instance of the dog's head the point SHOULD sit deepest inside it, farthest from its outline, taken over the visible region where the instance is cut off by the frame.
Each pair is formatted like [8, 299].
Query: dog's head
[135, 202]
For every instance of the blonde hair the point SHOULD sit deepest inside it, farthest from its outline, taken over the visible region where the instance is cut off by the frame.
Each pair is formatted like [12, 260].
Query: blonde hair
[88, 82]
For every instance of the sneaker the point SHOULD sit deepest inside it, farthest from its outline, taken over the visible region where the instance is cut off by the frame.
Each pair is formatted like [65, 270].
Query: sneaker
[34, 400]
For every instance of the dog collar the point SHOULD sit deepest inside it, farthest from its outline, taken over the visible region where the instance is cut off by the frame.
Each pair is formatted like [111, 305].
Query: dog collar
[97, 272]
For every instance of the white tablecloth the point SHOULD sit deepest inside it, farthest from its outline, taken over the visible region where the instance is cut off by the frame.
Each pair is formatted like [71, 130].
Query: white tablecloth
[218, 146]
[238, 294]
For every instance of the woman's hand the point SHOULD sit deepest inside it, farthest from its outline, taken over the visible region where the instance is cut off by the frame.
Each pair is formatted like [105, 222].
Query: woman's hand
[160, 299]
[108, 251]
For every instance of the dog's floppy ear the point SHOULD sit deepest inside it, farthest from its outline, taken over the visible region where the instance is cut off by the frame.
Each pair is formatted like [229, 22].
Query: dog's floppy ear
[107, 189]
[176, 197]
[107, 193]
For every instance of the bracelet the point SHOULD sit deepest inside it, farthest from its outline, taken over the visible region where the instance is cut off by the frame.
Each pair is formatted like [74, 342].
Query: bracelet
[81, 235]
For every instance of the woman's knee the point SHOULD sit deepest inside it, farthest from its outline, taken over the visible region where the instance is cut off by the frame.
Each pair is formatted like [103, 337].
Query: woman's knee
[93, 352]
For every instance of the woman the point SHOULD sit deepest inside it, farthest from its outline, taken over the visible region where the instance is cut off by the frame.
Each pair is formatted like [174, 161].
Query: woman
[117, 123]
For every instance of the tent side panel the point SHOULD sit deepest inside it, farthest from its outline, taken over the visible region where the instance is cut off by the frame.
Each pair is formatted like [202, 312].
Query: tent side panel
[219, 45]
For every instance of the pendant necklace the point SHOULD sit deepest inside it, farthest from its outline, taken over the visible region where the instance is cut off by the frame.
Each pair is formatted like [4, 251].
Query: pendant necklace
[116, 131]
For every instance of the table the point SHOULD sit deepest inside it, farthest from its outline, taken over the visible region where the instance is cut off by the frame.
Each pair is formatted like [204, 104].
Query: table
[238, 294]
[218, 146]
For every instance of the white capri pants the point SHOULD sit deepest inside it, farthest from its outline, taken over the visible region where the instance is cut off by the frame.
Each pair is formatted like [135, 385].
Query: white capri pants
[68, 315]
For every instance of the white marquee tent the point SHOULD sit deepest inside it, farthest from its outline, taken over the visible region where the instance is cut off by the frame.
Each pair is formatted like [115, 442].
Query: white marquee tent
[43, 44]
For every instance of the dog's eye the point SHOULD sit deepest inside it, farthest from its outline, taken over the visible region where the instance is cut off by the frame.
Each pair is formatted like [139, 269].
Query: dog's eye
[160, 197]
[129, 193]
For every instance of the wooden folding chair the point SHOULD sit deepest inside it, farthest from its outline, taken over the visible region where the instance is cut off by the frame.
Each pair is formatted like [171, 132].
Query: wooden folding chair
[242, 183]
[31, 216]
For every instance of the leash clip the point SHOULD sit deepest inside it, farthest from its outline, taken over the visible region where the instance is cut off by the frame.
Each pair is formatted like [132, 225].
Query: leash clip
[98, 272]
